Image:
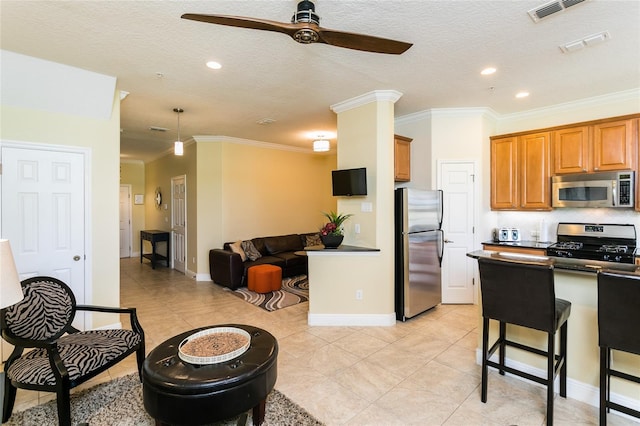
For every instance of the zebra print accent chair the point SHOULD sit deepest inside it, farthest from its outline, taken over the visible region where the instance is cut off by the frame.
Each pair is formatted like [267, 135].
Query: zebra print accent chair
[60, 356]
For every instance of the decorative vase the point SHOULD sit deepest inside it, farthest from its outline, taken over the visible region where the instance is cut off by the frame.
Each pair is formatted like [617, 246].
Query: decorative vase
[331, 241]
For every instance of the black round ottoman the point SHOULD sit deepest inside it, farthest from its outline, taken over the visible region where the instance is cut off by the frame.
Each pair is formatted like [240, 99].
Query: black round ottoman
[178, 393]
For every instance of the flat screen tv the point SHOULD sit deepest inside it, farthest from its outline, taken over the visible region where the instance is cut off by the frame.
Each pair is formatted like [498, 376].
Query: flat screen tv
[349, 182]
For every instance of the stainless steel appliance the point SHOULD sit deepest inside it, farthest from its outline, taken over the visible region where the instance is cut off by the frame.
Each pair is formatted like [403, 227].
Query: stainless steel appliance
[593, 241]
[419, 244]
[606, 189]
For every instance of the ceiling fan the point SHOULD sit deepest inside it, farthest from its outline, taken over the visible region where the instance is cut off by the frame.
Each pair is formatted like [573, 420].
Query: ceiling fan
[305, 28]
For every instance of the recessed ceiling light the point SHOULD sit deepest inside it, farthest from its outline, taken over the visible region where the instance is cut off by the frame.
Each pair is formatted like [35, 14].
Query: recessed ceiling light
[214, 65]
[488, 71]
[522, 94]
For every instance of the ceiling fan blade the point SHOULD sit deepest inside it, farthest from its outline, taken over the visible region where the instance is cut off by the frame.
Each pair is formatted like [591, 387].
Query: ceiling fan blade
[363, 42]
[242, 22]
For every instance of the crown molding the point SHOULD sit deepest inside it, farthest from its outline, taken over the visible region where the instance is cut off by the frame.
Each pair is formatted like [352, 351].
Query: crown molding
[367, 98]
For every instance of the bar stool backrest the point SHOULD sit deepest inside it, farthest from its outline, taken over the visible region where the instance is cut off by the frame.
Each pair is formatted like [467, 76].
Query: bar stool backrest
[619, 311]
[518, 293]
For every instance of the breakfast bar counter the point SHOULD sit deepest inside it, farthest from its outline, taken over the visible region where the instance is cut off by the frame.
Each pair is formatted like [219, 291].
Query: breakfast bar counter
[575, 281]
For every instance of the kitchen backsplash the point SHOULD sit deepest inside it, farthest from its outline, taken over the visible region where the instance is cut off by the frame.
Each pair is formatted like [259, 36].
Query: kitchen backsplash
[530, 223]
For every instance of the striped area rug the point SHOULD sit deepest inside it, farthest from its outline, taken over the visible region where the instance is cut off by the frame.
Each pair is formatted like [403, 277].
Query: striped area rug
[294, 290]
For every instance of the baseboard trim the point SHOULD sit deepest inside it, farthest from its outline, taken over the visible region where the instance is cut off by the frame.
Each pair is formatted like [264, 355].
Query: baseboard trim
[365, 320]
[202, 277]
[577, 390]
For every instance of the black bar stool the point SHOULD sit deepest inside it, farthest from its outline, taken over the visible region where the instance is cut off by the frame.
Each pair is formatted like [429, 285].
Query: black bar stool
[523, 294]
[619, 329]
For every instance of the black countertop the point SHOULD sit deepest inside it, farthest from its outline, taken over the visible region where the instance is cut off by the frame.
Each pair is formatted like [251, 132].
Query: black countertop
[577, 265]
[341, 248]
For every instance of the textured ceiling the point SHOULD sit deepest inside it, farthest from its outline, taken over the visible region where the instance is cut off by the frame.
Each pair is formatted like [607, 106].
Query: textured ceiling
[268, 75]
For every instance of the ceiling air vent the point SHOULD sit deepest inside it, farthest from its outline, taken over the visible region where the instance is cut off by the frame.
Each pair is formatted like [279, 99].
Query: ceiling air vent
[550, 8]
[158, 129]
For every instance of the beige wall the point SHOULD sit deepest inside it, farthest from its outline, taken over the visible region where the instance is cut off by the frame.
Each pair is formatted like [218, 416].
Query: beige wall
[365, 139]
[132, 173]
[158, 174]
[240, 191]
[102, 137]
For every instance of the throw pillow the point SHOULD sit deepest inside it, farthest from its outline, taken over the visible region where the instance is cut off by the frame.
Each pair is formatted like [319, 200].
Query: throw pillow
[250, 250]
[237, 248]
[312, 240]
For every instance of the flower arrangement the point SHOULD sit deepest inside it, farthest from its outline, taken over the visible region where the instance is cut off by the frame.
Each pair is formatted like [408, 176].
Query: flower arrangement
[334, 226]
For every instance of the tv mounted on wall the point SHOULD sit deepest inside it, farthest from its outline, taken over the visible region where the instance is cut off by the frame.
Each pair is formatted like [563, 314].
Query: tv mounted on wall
[349, 182]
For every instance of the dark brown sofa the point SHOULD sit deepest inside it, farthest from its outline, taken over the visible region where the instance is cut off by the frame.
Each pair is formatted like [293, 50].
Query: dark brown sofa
[228, 269]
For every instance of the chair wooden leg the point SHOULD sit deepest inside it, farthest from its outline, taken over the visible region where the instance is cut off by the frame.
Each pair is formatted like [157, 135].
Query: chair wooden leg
[563, 355]
[485, 350]
[63, 402]
[9, 399]
[140, 355]
[502, 350]
[551, 355]
[604, 352]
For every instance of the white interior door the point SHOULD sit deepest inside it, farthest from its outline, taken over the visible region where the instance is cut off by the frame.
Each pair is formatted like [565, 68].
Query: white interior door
[179, 222]
[125, 221]
[456, 179]
[43, 214]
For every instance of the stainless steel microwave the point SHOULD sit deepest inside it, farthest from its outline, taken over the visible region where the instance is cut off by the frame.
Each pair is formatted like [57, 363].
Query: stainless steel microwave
[605, 189]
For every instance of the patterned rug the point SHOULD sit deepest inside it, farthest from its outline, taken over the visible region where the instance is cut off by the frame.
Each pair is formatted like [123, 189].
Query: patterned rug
[294, 290]
[119, 403]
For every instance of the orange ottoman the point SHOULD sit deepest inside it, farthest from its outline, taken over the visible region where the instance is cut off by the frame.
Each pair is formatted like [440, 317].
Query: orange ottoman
[264, 278]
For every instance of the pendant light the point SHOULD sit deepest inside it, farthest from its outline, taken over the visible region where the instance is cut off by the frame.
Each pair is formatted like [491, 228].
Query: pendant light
[178, 146]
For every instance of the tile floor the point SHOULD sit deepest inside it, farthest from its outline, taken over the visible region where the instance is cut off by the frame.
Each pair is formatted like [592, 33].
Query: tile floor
[422, 372]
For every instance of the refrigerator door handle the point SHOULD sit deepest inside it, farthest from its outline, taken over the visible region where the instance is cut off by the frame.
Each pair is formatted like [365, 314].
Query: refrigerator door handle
[441, 246]
[441, 212]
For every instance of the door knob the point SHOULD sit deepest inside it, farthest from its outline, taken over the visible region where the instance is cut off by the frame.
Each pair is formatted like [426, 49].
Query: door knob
[448, 241]
[76, 258]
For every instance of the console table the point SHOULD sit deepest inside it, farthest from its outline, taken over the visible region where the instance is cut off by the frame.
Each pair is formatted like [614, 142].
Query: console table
[154, 236]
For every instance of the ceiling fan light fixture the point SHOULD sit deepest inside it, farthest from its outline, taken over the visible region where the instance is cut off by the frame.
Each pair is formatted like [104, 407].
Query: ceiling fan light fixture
[321, 145]
[178, 146]
[306, 12]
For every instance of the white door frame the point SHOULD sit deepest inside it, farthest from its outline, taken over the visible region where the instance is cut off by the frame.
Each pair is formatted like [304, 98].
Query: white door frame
[476, 206]
[86, 153]
[130, 227]
[174, 249]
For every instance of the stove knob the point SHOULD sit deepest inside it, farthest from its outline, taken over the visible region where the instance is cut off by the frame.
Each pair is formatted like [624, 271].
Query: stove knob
[618, 258]
[605, 257]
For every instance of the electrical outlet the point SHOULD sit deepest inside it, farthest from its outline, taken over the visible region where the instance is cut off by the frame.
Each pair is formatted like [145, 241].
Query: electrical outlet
[359, 295]
[357, 228]
[193, 260]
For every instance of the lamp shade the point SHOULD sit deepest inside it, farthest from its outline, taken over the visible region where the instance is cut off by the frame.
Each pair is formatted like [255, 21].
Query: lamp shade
[10, 289]
[178, 148]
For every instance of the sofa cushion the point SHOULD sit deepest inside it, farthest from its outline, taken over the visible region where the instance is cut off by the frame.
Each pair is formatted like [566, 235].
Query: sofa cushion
[237, 248]
[264, 260]
[250, 250]
[312, 240]
[292, 259]
[275, 245]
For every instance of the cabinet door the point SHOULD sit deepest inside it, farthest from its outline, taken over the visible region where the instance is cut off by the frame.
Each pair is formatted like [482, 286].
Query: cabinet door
[535, 177]
[402, 151]
[614, 145]
[504, 173]
[571, 150]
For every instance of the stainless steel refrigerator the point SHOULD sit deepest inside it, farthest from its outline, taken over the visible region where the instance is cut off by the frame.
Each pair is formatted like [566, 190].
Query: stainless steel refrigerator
[419, 244]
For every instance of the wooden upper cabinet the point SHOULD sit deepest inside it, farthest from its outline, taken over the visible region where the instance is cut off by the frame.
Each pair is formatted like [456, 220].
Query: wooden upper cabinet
[571, 150]
[402, 158]
[520, 172]
[504, 173]
[603, 146]
[614, 145]
[535, 177]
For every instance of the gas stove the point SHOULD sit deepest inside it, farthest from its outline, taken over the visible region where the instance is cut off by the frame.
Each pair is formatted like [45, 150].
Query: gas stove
[592, 241]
